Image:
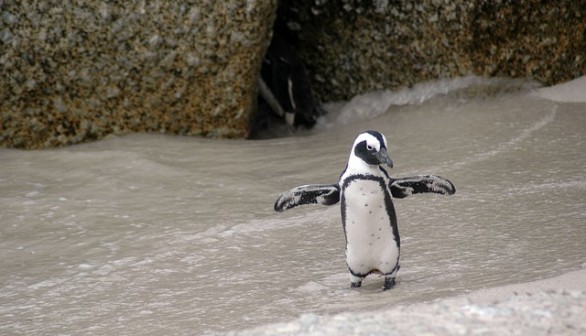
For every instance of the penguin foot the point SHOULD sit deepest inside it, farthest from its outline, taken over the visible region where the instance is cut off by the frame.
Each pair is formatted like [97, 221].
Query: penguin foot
[356, 284]
[389, 283]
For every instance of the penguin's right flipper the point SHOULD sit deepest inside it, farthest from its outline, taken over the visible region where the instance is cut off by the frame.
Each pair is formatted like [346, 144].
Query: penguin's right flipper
[326, 194]
[407, 186]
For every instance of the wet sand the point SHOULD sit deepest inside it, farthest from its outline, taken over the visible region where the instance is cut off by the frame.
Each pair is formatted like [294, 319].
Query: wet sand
[159, 235]
[554, 306]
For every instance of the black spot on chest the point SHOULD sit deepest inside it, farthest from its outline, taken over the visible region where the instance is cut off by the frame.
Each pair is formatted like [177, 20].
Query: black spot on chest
[386, 202]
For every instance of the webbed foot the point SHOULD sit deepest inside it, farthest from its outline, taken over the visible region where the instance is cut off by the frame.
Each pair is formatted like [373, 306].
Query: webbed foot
[389, 283]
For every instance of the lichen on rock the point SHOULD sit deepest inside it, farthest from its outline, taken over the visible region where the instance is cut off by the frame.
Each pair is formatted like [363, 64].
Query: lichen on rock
[352, 47]
[78, 71]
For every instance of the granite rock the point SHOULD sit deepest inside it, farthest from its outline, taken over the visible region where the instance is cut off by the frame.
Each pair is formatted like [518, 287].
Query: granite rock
[74, 71]
[351, 47]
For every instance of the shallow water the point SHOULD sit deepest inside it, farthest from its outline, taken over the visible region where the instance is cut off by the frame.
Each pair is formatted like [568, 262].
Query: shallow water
[154, 234]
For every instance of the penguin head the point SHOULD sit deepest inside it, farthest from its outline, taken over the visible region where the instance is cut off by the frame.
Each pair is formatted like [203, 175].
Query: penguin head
[370, 147]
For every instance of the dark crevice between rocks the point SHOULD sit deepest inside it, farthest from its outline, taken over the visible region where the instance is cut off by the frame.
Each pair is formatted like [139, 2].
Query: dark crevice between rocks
[286, 101]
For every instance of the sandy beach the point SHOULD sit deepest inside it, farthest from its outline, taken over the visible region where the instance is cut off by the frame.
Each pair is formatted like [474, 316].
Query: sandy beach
[554, 306]
[151, 234]
[569, 282]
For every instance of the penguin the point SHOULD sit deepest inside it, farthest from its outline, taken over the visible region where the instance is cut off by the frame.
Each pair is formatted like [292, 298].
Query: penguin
[284, 88]
[365, 192]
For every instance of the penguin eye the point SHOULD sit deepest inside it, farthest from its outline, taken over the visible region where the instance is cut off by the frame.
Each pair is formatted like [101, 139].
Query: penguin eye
[369, 147]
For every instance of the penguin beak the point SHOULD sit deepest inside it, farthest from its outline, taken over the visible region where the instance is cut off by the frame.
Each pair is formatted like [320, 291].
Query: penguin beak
[384, 158]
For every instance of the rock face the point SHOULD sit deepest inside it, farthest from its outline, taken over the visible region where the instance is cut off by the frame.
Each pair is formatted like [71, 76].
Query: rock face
[77, 71]
[352, 47]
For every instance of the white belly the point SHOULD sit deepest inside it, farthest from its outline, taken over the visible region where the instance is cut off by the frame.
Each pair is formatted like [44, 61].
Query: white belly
[370, 242]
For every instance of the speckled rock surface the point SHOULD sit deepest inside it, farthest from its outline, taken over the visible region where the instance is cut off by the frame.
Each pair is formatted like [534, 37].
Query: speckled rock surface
[74, 71]
[351, 47]
[78, 71]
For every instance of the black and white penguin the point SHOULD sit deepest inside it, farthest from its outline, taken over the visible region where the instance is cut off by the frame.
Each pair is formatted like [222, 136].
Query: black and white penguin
[365, 191]
[285, 91]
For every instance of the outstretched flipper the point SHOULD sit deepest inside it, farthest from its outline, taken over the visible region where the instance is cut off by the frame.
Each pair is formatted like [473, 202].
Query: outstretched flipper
[407, 186]
[326, 194]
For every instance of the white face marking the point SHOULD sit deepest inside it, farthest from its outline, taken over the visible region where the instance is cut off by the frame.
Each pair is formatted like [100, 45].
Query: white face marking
[355, 163]
[371, 141]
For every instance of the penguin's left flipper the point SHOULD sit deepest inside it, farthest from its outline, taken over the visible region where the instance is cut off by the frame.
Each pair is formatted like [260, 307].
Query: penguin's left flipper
[326, 194]
[407, 186]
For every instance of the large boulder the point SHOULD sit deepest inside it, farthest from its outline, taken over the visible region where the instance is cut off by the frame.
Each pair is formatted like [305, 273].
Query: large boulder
[351, 47]
[78, 71]
[74, 71]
